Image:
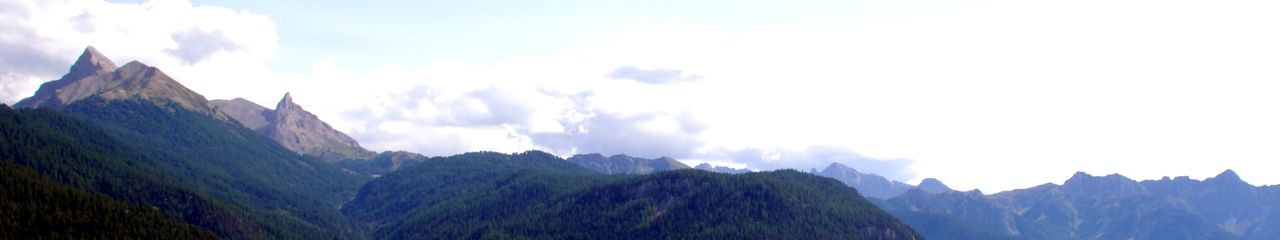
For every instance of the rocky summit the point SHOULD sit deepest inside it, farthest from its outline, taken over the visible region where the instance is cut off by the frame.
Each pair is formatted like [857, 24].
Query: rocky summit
[95, 76]
[295, 128]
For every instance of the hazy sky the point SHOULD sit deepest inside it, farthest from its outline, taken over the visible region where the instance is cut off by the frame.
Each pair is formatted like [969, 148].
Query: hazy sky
[994, 95]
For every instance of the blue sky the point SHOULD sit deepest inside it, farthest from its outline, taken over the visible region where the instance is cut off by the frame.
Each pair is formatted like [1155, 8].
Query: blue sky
[412, 33]
[986, 94]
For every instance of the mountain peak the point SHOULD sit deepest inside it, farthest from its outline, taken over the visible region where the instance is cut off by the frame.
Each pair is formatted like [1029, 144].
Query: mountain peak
[868, 184]
[286, 102]
[839, 167]
[933, 185]
[90, 63]
[1080, 175]
[1082, 184]
[301, 131]
[1227, 176]
[93, 75]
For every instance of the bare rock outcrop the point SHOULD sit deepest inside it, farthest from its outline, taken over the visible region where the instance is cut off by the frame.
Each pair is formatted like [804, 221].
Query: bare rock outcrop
[295, 128]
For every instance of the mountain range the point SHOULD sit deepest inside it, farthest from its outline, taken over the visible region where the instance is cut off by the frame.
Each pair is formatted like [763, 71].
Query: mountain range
[1101, 207]
[136, 135]
[870, 185]
[129, 152]
[105, 140]
[623, 164]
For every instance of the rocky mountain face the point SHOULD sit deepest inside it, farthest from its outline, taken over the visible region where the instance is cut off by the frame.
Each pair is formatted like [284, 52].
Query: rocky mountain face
[623, 164]
[1106, 207]
[249, 114]
[870, 185]
[295, 128]
[95, 76]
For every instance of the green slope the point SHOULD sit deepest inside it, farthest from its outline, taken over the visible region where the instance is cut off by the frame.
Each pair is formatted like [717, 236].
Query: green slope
[539, 196]
[79, 155]
[289, 195]
[212, 173]
[32, 207]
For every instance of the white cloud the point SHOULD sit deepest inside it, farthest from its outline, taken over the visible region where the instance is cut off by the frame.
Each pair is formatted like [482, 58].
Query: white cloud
[991, 94]
[214, 50]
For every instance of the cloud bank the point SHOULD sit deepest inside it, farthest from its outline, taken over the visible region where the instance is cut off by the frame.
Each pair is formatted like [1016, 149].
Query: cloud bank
[653, 76]
[956, 88]
[205, 46]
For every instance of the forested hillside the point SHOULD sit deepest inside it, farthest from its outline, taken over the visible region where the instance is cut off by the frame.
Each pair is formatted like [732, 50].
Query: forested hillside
[538, 195]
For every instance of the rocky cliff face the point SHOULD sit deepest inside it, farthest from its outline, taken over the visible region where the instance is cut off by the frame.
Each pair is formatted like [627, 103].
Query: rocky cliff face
[95, 76]
[295, 129]
[249, 114]
[303, 132]
[869, 185]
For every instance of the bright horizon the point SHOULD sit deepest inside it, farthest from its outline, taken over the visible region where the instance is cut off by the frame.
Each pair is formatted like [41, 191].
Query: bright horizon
[996, 95]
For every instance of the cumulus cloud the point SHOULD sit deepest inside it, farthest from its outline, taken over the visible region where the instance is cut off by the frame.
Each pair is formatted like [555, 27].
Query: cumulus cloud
[436, 121]
[210, 49]
[653, 76]
[443, 121]
[818, 156]
[487, 107]
[195, 45]
[644, 134]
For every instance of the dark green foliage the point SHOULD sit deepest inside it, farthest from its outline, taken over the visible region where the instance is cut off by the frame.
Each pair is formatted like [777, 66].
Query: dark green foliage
[290, 195]
[381, 164]
[212, 173]
[237, 184]
[77, 154]
[463, 189]
[536, 195]
[32, 207]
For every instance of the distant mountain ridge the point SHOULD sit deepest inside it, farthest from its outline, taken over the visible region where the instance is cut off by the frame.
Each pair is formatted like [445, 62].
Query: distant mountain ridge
[721, 169]
[623, 164]
[295, 128]
[1104, 207]
[870, 185]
